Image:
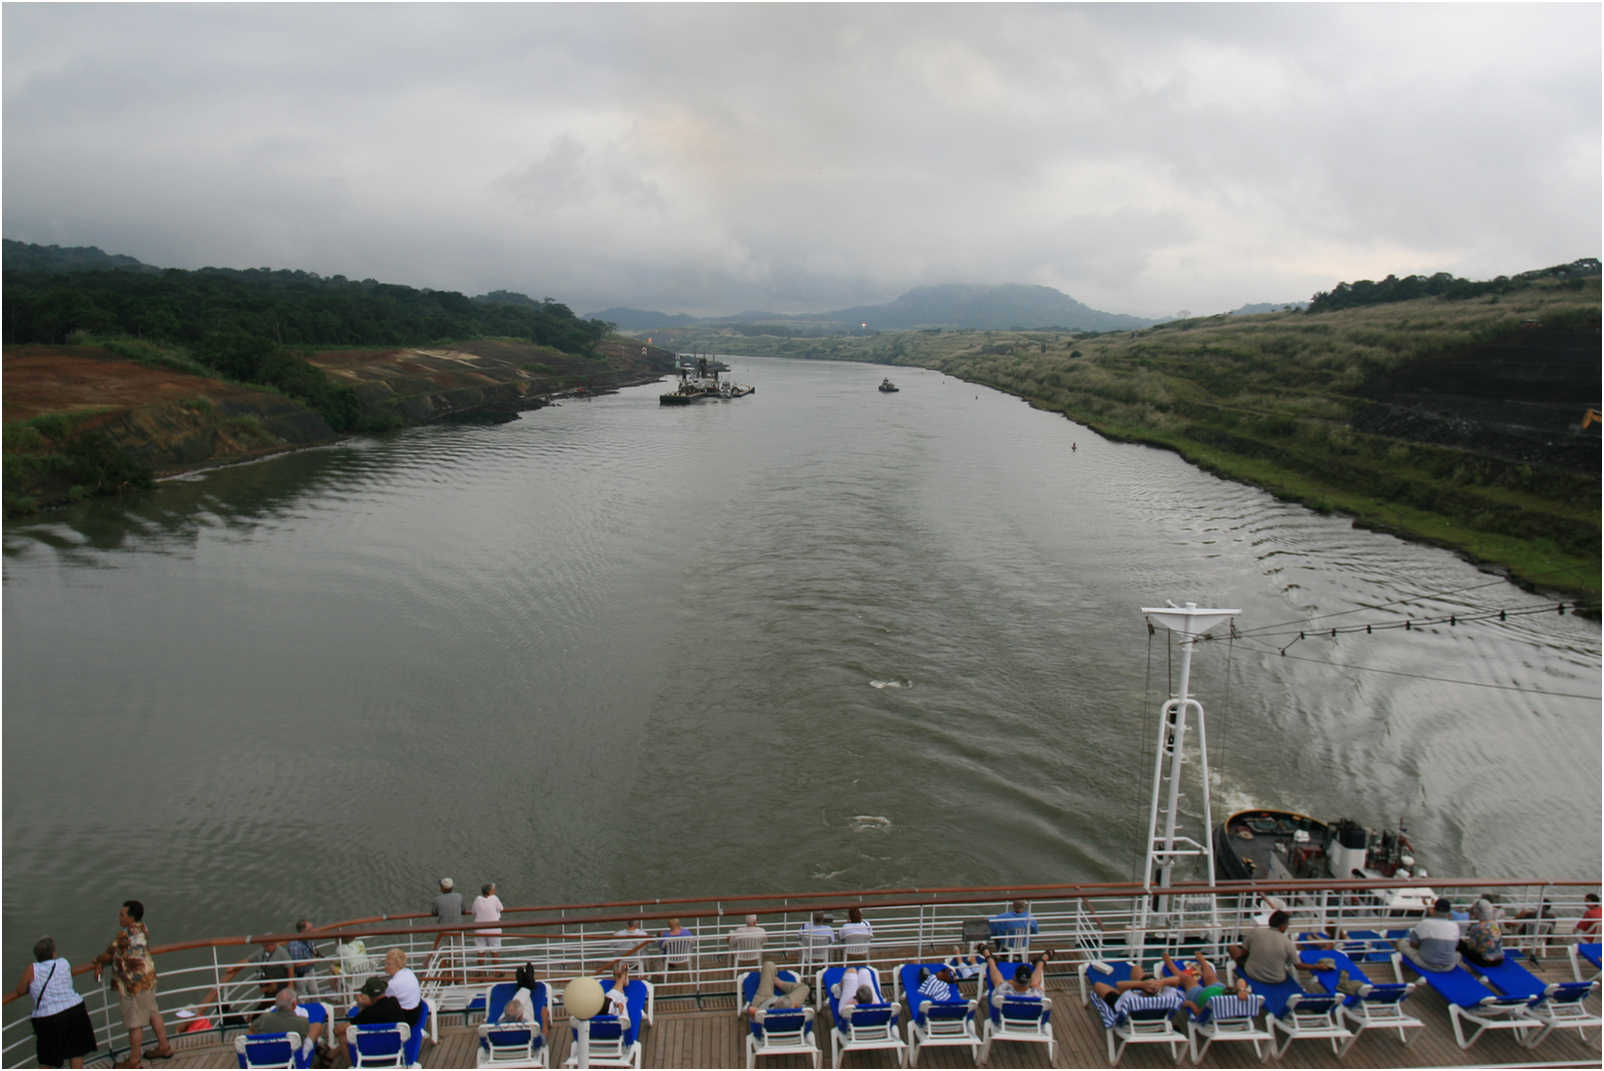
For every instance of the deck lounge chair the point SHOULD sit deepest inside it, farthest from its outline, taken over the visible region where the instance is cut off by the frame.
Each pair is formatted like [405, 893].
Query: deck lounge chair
[1557, 1005]
[271, 1050]
[1471, 1002]
[782, 1032]
[511, 1044]
[1589, 953]
[383, 1045]
[862, 1026]
[612, 1044]
[1301, 1015]
[1377, 1004]
[1224, 1018]
[1140, 1027]
[935, 1022]
[749, 983]
[1011, 1018]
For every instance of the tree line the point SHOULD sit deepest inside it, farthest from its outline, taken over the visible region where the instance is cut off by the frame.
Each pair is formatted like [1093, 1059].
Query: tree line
[288, 307]
[246, 324]
[1442, 284]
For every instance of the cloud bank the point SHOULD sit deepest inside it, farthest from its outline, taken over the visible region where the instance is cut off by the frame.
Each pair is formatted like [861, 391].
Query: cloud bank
[716, 158]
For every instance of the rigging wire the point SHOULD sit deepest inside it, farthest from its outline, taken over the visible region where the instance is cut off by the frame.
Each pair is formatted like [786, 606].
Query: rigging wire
[1427, 677]
[1409, 624]
[1380, 606]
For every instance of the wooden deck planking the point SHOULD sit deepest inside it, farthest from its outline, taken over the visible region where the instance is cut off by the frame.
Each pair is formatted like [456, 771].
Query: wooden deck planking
[713, 1036]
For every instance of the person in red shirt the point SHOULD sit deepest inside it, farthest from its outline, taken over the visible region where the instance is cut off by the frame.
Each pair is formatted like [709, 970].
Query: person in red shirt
[1588, 923]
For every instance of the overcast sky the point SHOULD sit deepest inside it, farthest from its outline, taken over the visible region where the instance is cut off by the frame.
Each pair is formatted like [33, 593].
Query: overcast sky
[709, 159]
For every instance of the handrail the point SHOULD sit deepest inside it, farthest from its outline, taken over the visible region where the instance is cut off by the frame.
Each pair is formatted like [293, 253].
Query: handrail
[841, 901]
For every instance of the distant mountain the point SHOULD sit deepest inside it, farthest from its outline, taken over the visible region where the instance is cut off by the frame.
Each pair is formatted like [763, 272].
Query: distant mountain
[25, 256]
[1267, 306]
[984, 308]
[627, 319]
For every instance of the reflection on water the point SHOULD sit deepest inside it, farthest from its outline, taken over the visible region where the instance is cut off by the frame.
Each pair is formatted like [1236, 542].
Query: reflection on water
[815, 638]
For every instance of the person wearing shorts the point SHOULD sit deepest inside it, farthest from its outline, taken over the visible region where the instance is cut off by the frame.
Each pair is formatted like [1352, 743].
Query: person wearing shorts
[134, 972]
[487, 908]
[1202, 983]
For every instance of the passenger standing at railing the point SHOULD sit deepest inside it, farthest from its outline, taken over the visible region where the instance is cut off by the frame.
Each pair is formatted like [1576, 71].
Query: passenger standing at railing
[448, 910]
[305, 954]
[134, 972]
[62, 1031]
[487, 907]
[1588, 923]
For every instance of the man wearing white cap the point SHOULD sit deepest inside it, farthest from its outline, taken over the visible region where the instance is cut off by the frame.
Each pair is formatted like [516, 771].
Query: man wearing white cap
[448, 909]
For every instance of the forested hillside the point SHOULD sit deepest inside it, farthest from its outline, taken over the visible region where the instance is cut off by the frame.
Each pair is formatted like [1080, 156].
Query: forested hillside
[250, 352]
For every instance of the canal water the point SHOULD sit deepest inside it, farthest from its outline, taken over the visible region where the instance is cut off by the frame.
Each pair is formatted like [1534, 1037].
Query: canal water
[817, 638]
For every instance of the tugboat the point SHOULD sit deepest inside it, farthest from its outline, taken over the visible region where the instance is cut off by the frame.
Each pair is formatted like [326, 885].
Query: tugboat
[887, 387]
[1278, 845]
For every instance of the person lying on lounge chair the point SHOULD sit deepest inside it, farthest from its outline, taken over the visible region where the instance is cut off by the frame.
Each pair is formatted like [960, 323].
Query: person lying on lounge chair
[1139, 991]
[1202, 983]
[775, 992]
[1027, 981]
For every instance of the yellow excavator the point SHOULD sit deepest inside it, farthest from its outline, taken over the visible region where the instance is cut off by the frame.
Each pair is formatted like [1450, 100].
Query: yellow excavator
[1591, 417]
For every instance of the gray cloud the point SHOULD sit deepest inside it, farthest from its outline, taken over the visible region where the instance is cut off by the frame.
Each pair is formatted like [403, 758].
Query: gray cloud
[717, 157]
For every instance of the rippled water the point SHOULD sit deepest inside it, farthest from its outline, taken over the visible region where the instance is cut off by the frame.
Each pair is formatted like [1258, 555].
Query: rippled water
[815, 638]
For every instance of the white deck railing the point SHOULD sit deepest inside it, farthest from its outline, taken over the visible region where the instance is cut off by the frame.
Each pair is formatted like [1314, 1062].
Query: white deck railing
[210, 982]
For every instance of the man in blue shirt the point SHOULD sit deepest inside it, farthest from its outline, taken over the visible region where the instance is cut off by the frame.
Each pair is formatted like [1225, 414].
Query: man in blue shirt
[1012, 930]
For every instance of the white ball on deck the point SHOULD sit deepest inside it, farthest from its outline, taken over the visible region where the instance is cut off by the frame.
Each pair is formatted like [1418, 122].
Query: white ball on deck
[583, 997]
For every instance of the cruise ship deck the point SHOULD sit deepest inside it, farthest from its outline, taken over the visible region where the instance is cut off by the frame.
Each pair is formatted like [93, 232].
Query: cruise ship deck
[212, 986]
[687, 1036]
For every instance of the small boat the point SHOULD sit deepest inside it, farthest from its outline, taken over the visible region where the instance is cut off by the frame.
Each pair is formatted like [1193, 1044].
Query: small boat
[887, 387]
[1271, 845]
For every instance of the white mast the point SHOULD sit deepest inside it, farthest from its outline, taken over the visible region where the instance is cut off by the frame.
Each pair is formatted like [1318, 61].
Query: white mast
[1165, 844]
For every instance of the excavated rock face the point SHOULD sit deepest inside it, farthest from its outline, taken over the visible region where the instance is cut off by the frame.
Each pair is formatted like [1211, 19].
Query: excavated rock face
[1521, 398]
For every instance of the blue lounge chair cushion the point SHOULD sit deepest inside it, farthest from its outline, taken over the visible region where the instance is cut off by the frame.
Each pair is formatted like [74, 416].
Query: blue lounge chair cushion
[1276, 994]
[1368, 946]
[1458, 986]
[1141, 1008]
[510, 1035]
[271, 1049]
[1230, 1006]
[1511, 978]
[502, 992]
[781, 1020]
[1380, 992]
[1592, 951]
[750, 980]
[921, 1006]
[831, 978]
[635, 998]
[381, 1040]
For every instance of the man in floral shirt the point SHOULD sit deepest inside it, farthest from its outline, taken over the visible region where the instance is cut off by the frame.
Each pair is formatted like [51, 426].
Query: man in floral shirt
[134, 972]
